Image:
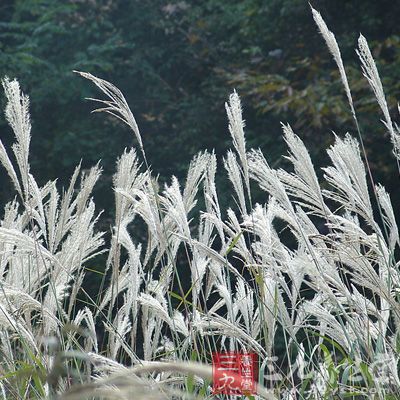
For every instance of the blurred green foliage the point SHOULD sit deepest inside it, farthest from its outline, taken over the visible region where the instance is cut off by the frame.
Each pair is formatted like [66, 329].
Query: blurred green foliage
[176, 62]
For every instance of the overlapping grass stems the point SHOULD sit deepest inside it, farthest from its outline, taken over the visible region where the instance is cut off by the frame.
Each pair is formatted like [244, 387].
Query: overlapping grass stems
[332, 296]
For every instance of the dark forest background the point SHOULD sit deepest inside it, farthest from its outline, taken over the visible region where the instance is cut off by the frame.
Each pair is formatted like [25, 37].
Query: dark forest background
[177, 62]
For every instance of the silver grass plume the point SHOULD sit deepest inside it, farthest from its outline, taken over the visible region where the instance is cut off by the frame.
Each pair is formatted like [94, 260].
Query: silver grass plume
[174, 206]
[127, 177]
[212, 204]
[17, 115]
[7, 164]
[91, 341]
[388, 216]
[116, 105]
[333, 47]
[217, 325]
[67, 208]
[370, 71]
[303, 184]
[236, 129]
[348, 177]
[196, 174]
[234, 174]
[245, 304]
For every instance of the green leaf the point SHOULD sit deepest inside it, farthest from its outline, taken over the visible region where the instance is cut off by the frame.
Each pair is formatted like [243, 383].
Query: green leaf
[233, 243]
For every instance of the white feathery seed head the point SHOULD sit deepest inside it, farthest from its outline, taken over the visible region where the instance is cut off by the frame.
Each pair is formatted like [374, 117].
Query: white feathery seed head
[117, 105]
[236, 129]
[370, 71]
[333, 47]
